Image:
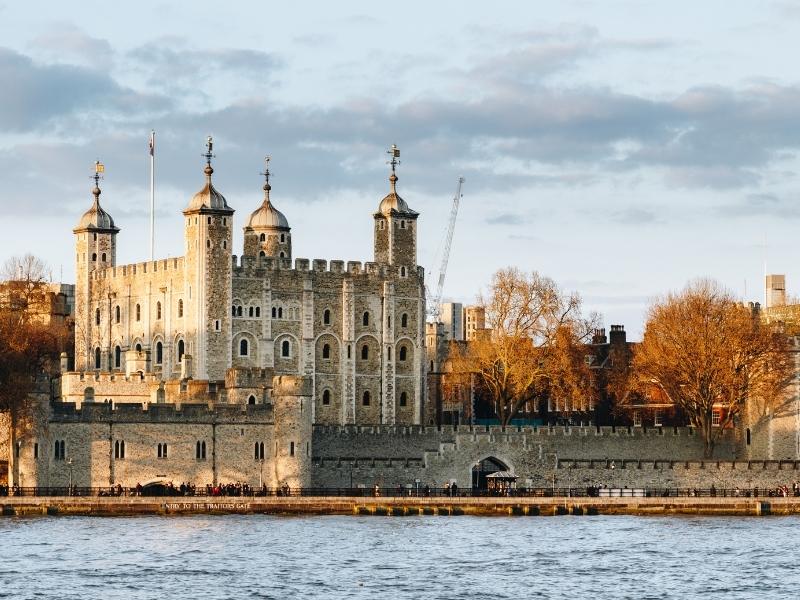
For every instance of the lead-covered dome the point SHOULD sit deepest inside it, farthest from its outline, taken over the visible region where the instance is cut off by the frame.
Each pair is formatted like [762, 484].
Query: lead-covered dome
[393, 202]
[208, 198]
[96, 217]
[267, 216]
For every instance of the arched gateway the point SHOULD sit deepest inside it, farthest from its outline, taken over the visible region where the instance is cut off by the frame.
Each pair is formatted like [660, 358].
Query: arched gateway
[485, 468]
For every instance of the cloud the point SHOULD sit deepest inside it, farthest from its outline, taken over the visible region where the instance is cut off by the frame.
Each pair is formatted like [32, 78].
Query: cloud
[66, 41]
[759, 205]
[507, 219]
[41, 94]
[170, 63]
[635, 216]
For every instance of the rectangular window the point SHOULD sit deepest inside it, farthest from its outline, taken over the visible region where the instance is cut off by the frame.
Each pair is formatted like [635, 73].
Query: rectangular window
[637, 418]
[291, 448]
[657, 418]
[716, 417]
[36, 450]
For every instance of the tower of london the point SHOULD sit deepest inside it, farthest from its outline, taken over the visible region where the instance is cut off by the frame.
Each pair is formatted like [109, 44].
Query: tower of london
[211, 325]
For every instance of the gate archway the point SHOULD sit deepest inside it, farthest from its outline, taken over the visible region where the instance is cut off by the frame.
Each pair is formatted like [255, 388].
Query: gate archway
[484, 468]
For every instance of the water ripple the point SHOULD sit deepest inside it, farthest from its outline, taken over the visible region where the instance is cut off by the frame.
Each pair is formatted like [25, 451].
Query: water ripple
[358, 558]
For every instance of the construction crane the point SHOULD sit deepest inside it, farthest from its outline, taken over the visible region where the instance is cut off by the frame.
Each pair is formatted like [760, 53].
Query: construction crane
[435, 301]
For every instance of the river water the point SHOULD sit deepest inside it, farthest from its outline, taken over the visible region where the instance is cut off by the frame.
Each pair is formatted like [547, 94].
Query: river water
[252, 556]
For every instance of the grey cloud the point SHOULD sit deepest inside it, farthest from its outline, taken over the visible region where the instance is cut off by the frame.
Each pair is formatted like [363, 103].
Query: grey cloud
[507, 219]
[170, 63]
[635, 216]
[66, 40]
[759, 205]
[42, 93]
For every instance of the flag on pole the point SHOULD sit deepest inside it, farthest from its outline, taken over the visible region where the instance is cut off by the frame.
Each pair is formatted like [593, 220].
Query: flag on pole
[152, 143]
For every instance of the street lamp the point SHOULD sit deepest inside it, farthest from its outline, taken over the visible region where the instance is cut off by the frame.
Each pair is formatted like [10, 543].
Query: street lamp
[69, 464]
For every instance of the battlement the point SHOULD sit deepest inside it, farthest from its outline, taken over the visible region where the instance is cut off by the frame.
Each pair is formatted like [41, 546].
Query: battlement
[496, 430]
[248, 377]
[112, 376]
[66, 412]
[142, 268]
[248, 266]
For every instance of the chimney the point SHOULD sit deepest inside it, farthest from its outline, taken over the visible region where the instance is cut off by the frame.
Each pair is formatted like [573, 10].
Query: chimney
[617, 334]
[599, 336]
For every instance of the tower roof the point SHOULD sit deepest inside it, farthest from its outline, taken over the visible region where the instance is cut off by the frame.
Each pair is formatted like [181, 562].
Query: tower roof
[208, 198]
[392, 202]
[267, 216]
[96, 217]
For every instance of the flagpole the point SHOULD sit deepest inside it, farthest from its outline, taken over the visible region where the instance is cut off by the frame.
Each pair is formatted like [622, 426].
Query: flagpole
[152, 191]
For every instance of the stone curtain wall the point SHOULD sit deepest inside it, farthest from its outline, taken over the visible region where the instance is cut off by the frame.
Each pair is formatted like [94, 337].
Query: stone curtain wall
[399, 455]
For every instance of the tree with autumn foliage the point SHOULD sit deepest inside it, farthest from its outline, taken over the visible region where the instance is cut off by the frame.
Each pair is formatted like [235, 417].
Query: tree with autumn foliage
[532, 348]
[30, 343]
[709, 353]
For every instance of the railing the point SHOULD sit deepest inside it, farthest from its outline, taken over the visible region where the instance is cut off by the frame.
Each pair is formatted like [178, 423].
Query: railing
[398, 492]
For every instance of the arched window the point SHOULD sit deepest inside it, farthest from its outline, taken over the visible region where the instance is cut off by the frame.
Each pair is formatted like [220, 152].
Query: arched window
[200, 451]
[119, 449]
[282, 255]
[280, 312]
[181, 349]
[258, 311]
[403, 399]
[285, 349]
[365, 319]
[251, 400]
[180, 308]
[158, 310]
[364, 352]
[97, 358]
[238, 311]
[255, 451]
[117, 357]
[326, 397]
[402, 271]
[262, 238]
[402, 224]
[97, 317]
[103, 258]
[326, 317]
[274, 312]
[233, 311]
[138, 312]
[243, 348]
[138, 347]
[262, 254]
[94, 256]
[283, 238]
[159, 353]
[326, 351]
[403, 353]
[250, 311]
[117, 314]
[404, 320]
[365, 399]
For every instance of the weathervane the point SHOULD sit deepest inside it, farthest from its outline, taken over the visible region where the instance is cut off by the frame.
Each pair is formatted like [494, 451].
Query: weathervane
[267, 186]
[99, 169]
[209, 147]
[394, 152]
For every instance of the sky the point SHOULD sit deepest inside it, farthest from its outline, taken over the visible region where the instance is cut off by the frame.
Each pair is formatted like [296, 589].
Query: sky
[622, 148]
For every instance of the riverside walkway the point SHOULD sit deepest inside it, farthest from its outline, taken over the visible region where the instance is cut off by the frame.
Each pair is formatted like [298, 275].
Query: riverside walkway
[398, 505]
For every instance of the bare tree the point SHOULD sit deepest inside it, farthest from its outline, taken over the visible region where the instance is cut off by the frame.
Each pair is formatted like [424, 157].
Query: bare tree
[709, 353]
[533, 347]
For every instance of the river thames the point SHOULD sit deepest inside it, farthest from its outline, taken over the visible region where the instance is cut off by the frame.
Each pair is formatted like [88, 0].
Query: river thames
[253, 556]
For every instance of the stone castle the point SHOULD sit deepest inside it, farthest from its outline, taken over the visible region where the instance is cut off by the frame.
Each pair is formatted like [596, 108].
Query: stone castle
[210, 368]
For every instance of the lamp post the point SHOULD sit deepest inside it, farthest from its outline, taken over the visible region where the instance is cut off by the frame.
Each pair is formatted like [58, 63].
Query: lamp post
[555, 466]
[69, 465]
